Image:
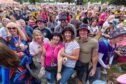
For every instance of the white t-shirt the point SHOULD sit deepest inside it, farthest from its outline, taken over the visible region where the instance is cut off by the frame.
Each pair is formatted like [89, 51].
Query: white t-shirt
[33, 47]
[94, 30]
[106, 24]
[3, 32]
[69, 47]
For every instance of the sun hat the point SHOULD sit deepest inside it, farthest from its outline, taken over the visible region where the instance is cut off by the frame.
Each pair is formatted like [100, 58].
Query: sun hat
[84, 26]
[118, 32]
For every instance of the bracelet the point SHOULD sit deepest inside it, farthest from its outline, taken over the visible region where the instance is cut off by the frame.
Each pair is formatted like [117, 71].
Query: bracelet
[58, 72]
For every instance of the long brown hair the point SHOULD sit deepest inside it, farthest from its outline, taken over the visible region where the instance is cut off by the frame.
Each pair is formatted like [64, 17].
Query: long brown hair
[68, 28]
[7, 57]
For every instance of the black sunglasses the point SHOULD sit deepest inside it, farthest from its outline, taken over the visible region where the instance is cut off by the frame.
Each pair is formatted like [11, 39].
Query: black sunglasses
[11, 28]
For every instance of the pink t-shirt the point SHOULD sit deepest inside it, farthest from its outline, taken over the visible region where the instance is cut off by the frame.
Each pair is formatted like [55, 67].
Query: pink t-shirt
[51, 53]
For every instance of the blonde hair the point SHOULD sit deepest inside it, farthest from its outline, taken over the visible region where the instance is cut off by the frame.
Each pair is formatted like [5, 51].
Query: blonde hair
[19, 22]
[5, 19]
[20, 32]
[36, 31]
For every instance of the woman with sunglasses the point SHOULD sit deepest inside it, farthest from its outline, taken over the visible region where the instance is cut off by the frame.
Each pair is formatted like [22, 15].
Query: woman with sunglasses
[17, 36]
[51, 57]
[18, 43]
[68, 56]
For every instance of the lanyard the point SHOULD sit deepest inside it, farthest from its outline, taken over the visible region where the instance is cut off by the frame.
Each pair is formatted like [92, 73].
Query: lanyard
[54, 62]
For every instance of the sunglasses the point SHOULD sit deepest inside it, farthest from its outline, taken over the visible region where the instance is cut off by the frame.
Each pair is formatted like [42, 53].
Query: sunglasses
[11, 28]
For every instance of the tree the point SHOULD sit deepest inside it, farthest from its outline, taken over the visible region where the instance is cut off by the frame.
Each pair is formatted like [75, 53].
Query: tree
[31, 1]
[66, 1]
[118, 2]
[19, 1]
[79, 2]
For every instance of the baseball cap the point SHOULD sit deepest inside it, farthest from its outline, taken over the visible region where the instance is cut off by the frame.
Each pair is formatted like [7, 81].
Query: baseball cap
[62, 18]
[83, 26]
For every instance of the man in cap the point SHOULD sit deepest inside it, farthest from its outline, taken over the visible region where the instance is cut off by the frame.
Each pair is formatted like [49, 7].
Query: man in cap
[41, 26]
[64, 22]
[88, 54]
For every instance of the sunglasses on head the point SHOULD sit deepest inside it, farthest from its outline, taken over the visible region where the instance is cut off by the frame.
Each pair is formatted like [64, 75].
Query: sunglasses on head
[11, 28]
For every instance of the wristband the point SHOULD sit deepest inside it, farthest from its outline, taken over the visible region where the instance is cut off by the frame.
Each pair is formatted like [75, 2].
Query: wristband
[58, 72]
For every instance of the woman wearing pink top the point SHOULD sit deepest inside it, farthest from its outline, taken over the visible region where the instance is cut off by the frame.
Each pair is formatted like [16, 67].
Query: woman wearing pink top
[52, 49]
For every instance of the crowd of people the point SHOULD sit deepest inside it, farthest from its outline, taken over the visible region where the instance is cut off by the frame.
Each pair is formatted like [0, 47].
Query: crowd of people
[54, 43]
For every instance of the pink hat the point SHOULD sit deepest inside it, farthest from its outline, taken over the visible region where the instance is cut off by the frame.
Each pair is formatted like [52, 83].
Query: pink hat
[122, 79]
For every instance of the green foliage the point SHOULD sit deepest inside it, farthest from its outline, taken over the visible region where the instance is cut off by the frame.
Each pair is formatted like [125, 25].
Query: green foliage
[115, 2]
[118, 2]
[33, 1]
[66, 1]
[115, 71]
